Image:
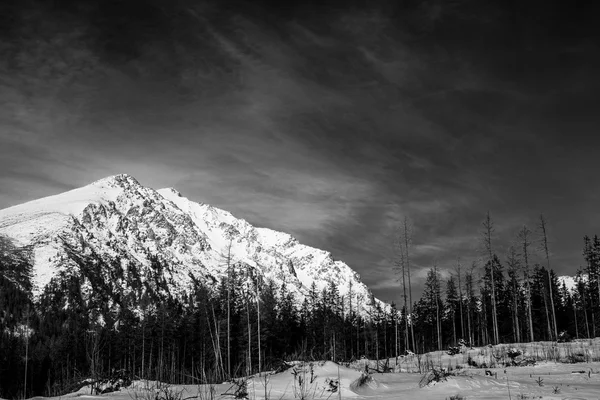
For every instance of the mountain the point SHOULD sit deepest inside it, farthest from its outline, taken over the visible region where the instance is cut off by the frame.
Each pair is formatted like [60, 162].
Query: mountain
[569, 282]
[132, 229]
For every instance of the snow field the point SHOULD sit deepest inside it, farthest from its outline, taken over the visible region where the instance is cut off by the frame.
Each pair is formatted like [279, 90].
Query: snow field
[548, 379]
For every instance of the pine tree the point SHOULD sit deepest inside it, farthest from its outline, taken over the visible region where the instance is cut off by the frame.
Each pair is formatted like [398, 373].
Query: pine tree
[592, 258]
[433, 302]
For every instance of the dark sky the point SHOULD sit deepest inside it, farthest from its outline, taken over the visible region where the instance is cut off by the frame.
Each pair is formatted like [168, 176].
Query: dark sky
[330, 123]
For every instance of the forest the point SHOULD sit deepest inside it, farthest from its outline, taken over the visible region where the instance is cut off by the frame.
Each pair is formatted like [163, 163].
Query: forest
[94, 319]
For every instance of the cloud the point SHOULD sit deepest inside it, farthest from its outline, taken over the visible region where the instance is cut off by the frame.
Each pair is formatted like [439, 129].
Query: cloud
[332, 126]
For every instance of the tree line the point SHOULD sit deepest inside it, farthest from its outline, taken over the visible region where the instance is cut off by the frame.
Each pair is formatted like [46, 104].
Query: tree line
[102, 315]
[515, 299]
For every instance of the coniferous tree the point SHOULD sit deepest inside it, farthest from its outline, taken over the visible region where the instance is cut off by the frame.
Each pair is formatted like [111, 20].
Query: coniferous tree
[428, 310]
[15, 311]
[592, 286]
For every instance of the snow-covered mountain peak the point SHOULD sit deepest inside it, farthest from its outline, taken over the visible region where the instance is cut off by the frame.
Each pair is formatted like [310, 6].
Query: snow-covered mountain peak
[169, 192]
[124, 181]
[568, 281]
[122, 222]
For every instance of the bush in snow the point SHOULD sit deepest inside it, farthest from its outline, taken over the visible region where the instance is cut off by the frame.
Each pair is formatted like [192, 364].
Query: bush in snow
[564, 337]
[513, 353]
[453, 350]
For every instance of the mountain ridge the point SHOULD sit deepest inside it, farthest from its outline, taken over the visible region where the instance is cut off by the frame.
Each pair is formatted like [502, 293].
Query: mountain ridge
[118, 218]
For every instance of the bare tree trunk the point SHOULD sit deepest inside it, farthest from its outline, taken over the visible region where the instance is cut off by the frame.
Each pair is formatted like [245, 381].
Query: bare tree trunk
[258, 323]
[489, 228]
[460, 297]
[162, 345]
[549, 324]
[593, 314]
[598, 284]
[545, 247]
[404, 294]
[249, 335]
[484, 324]
[513, 265]
[575, 318]
[143, 342]
[454, 326]
[26, 354]
[216, 344]
[229, 310]
[516, 313]
[407, 240]
[469, 328]
[396, 340]
[587, 323]
[524, 234]
[438, 320]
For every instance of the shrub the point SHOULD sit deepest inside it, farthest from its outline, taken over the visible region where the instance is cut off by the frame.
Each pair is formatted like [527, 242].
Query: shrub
[435, 375]
[363, 379]
[564, 337]
[453, 350]
[472, 362]
[513, 353]
[576, 358]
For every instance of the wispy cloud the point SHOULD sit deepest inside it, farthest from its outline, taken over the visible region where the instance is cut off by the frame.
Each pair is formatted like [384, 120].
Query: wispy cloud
[330, 127]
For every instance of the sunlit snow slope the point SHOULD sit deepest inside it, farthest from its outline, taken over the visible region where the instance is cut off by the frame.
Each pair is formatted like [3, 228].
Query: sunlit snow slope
[120, 219]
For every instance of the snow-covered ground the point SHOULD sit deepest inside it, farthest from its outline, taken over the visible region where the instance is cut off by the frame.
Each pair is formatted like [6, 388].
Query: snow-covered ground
[549, 378]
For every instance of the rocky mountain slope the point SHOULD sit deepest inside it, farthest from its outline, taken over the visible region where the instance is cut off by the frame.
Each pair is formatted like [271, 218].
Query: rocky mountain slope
[126, 224]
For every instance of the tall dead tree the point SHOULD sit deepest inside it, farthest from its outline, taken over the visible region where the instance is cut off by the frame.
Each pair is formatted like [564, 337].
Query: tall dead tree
[248, 296]
[524, 237]
[27, 334]
[407, 236]
[488, 226]
[543, 227]
[400, 268]
[437, 291]
[227, 260]
[258, 270]
[470, 294]
[460, 297]
[513, 266]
